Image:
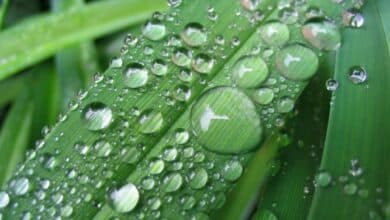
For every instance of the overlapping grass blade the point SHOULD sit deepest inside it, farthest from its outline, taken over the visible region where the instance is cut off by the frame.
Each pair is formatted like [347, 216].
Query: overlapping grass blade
[356, 147]
[75, 65]
[36, 39]
[3, 11]
[11, 88]
[15, 136]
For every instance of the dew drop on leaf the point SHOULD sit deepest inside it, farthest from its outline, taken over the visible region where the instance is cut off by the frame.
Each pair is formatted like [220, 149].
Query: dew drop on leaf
[156, 166]
[135, 75]
[220, 115]
[198, 178]
[202, 63]
[194, 35]
[20, 186]
[4, 199]
[249, 72]
[263, 96]
[124, 199]
[275, 33]
[357, 75]
[154, 30]
[232, 170]
[102, 148]
[352, 18]
[150, 122]
[97, 116]
[331, 85]
[285, 105]
[159, 67]
[323, 35]
[181, 57]
[323, 179]
[296, 62]
[172, 182]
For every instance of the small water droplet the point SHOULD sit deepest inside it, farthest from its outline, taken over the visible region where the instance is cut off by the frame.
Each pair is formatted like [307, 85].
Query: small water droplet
[102, 148]
[135, 75]
[350, 188]
[181, 57]
[4, 199]
[323, 35]
[232, 170]
[150, 122]
[249, 72]
[198, 178]
[202, 63]
[20, 186]
[323, 179]
[285, 105]
[194, 35]
[353, 18]
[250, 5]
[159, 67]
[181, 136]
[172, 182]
[156, 166]
[182, 93]
[263, 96]
[275, 33]
[331, 85]
[97, 116]
[154, 30]
[357, 75]
[124, 199]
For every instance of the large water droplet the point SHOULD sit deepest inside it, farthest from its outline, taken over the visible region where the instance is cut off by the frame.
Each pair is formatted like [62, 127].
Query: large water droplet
[357, 75]
[172, 182]
[124, 199]
[154, 30]
[97, 116]
[136, 75]
[297, 62]
[220, 115]
[323, 35]
[194, 35]
[150, 122]
[249, 72]
[275, 33]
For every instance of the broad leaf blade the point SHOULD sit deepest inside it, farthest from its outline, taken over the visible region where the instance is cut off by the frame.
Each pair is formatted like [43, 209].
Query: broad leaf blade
[357, 145]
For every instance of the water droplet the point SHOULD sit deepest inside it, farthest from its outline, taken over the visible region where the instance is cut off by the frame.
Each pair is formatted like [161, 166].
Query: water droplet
[102, 148]
[182, 93]
[148, 183]
[154, 30]
[323, 179]
[97, 116]
[353, 18]
[232, 170]
[150, 122]
[275, 33]
[124, 199]
[156, 166]
[288, 15]
[250, 5]
[181, 136]
[20, 186]
[357, 75]
[285, 105]
[136, 75]
[185, 75]
[174, 3]
[249, 72]
[350, 188]
[159, 67]
[194, 35]
[170, 154]
[202, 63]
[172, 182]
[154, 203]
[224, 110]
[198, 178]
[323, 35]
[331, 85]
[66, 211]
[297, 62]
[181, 57]
[4, 199]
[263, 96]
[116, 62]
[187, 202]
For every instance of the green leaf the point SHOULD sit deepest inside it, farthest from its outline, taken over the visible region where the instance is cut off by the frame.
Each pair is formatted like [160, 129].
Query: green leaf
[15, 136]
[3, 11]
[357, 145]
[36, 39]
[11, 88]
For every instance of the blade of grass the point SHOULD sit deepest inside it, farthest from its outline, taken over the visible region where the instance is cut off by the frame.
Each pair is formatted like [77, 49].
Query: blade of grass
[36, 39]
[3, 11]
[10, 88]
[76, 64]
[15, 136]
[356, 152]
